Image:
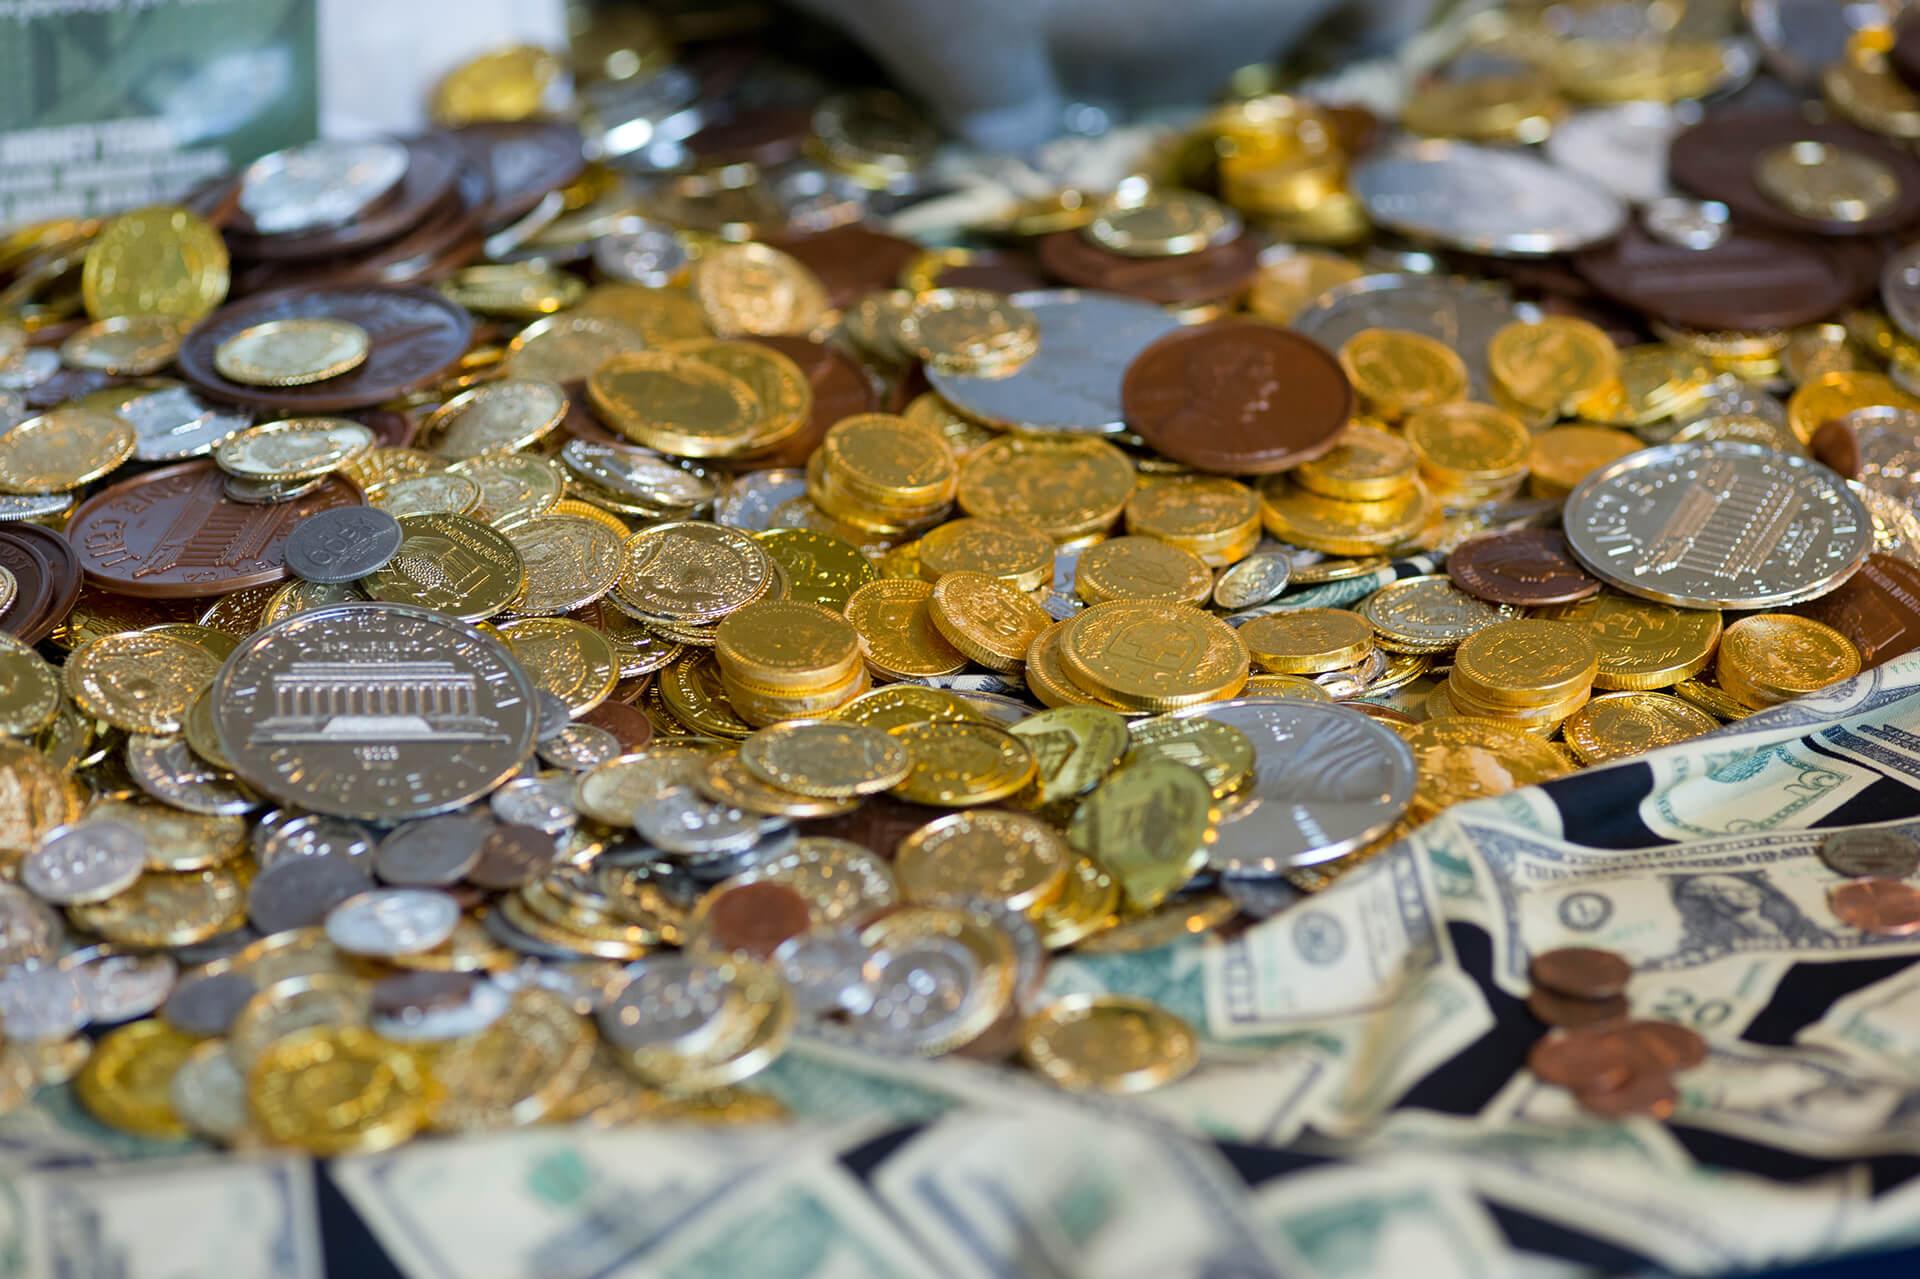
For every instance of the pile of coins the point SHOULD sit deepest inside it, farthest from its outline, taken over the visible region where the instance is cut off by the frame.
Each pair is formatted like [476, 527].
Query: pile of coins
[497, 636]
[1877, 864]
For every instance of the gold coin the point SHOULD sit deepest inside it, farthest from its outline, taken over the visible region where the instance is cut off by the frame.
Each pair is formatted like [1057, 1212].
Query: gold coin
[1085, 907]
[963, 435]
[675, 403]
[168, 909]
[759, 707]
[503, 416]
[691, 572]
[569, 659]
[29, 689]
[1366, 464]
[383, 464]
[693, 692]
[1285, 285]
[986, 619]
[1428, 614]
[568, 348]
[126, 345]
[301, 448]
[1016, 553]
[1834, 395]
[787, 646]
[515, 488]
[1108, 1043]
[1768, 658]
[1046, 674]
[1827, 183]
[1210, 516]
[1017, 861]
[785, 394]
[1622, 725]
[337, 1090]
[1525, 663]
[452, 565]
[1221, 754]
[1396, 372]
[898, 638]
[442, 493]
[1450, 699]
[1469, 443]
[656, 316]
[1463, 757]
[755, 289]
[516, 1070]
[968, 330]
[40, 797]
[1554, 362]
[956, 765]
[295, 352]
[127, 1082]
[1560, 458]
[570, 563]
[1168, 223]
[1149, 825]
[138, 681]
[728, 781]
[1712, 699]
[513, 83]
[1303, 518]
[826, 759]
[1153, 657]
[885, 458]
[517, 290]
[1307, 641]
[1520, 107]
[1642, 645]
[898, 704]
[1141, 568]
[1064, 488]
[820, 568]
[301, 597]
[1290, 686]
[160, 260]
[177, 840]
[62, 449]
[1074, 748]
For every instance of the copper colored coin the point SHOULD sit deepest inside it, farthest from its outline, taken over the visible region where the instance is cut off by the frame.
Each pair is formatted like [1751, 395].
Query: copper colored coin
[33, 596]
[414, 336]
[1238, 398]
[852, 260]
[1581, 1058]
[1213, 274]
[175, 534]
[1645, 1092]
[446, 239]
[1885, 907]
[1665, 1045]
[1878, 608]
[755, 918]
[1749, 280]
[633, 729]
[522, 160]
[1562, 1010]
[1716, 160]
[419, 993]
[433, 163]
[512, 856]
[64, 577]
[1581, 972]
[1835, 446]
[840, 390]
[995, 271]
[766, 136]
[1524, 566]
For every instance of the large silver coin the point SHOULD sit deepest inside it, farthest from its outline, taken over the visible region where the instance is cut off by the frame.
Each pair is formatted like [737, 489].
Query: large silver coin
[1459, 313]
[1722, 525]
[1071, 383]
[1485, 201]
[376, 712]
[1900, 290]
[319, 184]
[1327, 780]
[1622, 147]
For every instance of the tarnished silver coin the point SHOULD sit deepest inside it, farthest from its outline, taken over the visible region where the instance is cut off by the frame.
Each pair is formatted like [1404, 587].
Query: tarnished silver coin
[209, 1093]
[1871, 854]
[1622, 147]
[1685, 223]
[172, 424]
[630, 471]
[298, 892]
[319, 184]
[544, 803]
[825, 969]
[1258, 579]
[578, 747]
[1327, 780]
[1723, 525]
[640, 252]
[392, 921]
[87, 862]
[749, 501]
[1071, 383]
[167, 769]
[206, 1004]
[427, 1007]
[40, 1002]
[376, 712]
[311, 835]
[117, 986]
[342, 543]
[1463, 314]
[38, 507]
[1504, 203]
[684, 822]
[432, 852]
[1888, 442]
[670, 1001]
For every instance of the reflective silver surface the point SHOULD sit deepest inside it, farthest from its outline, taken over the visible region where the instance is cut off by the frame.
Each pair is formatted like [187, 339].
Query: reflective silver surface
[1485, 201]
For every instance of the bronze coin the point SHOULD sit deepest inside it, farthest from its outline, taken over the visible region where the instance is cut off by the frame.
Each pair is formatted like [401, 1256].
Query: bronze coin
[1885, 907]
[521, 160]
[1644, 1092]
[1524, 566]
[64, 577]
[1664, 1045]
[1213, 274]
[1581, 1058]
[1581, 972]
[415, 336]
[1878, 608]
[433, 164]
[1237, 398]
[1835, 445]
[1561, 1010]
[31, 612]
[765, 136]
[175, 534]
[633, 729]
[512, 856]
[1716, 159]
[1750, 280]
[755, 918]
[852, 260]
[841, 388]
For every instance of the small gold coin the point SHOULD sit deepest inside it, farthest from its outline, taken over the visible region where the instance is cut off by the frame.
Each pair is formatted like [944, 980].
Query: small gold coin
[1168, 223]
[1290, 686]
[755, 289]
[787, 646]
[1561, 457]
[1834, 395]
[1623, 725]
[127, 1082]
[898, 638]
[898, 704]
[503, 416]
[1015, 553]
[1366, 464]
[1141, 568]
[1086, 906]
[301, 448]
[827, 759]
[1469, 443]
[516, 1070]
[570, 562]
[160, 260]
[1463, 757]
[125, 345]
[676, 403]
[1015, 860]
[1826, 183]
[1287, 284]
[1149, 825]
[452, 565]
[440, 493]
[958, 765]
[1064, 488]
[336, 1090]
[1304, 518]
[968, 330]
[694, 693]
[690, 572]
[300, 597]
[1074, 748]
[1711, 698]
[29, 689]
[295, 352]
[1553, 362]
[1220, 753]
[1396, 372]
[1047, 679]
[513, 83]
[177, 840]
[1769, 658]
[1526, 663]
[138, 681]
[1642, 645]
[1210, 516]
[168, 909]
[569, 659]
[1108, 1043]
[62, 449]
[986, 619]
[1307, 641]
[1428, 614]
[43, 797]
[820, 568]
[1153, 657]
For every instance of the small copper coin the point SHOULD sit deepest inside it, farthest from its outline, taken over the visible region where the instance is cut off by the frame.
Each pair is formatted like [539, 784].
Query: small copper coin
[1581, 1059]
[1562, 1010]
[1237, 398]
[1878, 608]
[1645, 1092]
[1524, 566]
[1212, 274]
[512, 856]
[1885, 907]
[1749, 280]
[1581, 972]
[1871, 854]
[1664, 1044]
[633, 729]
[755, 918]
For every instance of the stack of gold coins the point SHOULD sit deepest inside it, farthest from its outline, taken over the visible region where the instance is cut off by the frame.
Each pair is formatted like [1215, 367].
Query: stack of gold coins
[785, 659]
[986, 618]
[1770, 658]
[1209, 516]
[1149, 656]
[1361, 497]
[1013, 552]
[1279, 158]
[969, 331]
[883, 474]
[1309, 641]
[1469, 452]
[1530, 672]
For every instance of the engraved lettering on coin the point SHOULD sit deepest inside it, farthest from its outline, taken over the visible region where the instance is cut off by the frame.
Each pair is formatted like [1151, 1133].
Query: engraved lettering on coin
[343, 544]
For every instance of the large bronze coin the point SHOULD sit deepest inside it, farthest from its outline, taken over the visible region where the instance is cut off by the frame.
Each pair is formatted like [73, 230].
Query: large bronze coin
[1526, 566]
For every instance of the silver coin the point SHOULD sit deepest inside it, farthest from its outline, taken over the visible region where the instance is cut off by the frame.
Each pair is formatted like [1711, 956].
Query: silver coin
[1686, 224]
[1888, 440]
[824, 969]
[841, 880]
[311, 835]
[319, 184]
[512, 237]
[298, 892]
[209, 1093]
[1900, 290]
[1071, 383]
[483, 1004]
[376, 712]
[1462, 314]
[392, 921]
[167, 769]
[1871, 854]
[1475, 198]
[88, 862]
[173, 424]
[342, 544]
[683, 821]
[579, 747]
[29, 368]
[748, 501]
[1258, 579]
[555, 715]
[38, 507]
[671, 1002]
[1725, 396]
[1801, 38]
[816, 199]
[207, 1004]
[998, 707]
[432, 852]
[116, 986]
[1621, 147]
[40, 1002]
[635, 472]
[268, 492]
[1728, 526]
[501, 929]
[544, 803]
[923, 992]
[1343, 685]
[640, 252]
[1327, 780]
